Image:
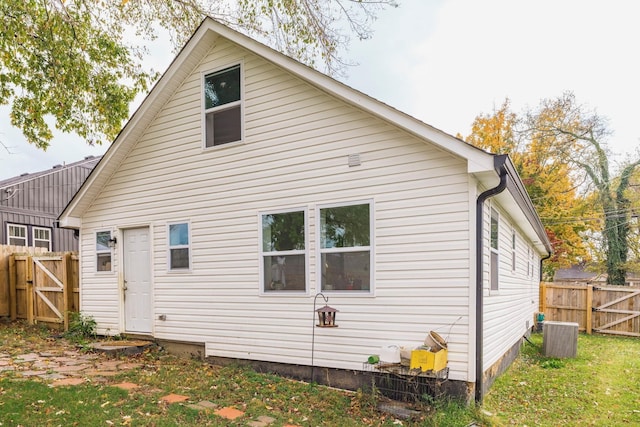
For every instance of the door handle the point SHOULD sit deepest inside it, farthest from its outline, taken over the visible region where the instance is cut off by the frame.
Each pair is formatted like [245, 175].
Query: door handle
[124, 287]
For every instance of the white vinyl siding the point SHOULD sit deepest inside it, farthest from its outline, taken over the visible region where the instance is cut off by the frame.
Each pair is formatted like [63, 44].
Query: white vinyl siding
[509, 313]
[295, 154]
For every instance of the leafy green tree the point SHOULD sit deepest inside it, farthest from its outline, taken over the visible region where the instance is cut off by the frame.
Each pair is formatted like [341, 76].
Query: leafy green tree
[71, 62]
[547, 180]
[577, 136]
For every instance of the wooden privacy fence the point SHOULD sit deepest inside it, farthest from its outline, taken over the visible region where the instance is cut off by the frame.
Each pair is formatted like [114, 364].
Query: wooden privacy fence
[5, 253]
[602, 309]
[43, 288]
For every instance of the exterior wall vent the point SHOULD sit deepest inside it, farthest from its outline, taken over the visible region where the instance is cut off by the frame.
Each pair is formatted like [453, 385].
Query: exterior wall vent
[354, 160]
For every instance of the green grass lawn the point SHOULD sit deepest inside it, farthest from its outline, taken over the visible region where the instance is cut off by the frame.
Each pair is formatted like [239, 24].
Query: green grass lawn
[599, 387]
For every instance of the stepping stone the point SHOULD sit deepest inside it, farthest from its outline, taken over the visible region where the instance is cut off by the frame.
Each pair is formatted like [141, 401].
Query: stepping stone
[229, 413]
[204, 405]
[71, 369]
[67, 381]
[7, 368]
[5, 362]
[66, 360]
[32, 373]
[53, 376]
[127, 386]
[130, 365]
[262, 421]
[30, 357]
[97, 372]
[111, 365]
[174, 398]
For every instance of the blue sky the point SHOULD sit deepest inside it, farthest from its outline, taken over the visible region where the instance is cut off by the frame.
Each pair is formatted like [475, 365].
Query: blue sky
[446, 61]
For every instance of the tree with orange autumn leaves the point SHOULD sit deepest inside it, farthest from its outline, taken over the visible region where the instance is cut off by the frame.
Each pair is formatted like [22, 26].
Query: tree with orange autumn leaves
[548, 182]
[559, 149]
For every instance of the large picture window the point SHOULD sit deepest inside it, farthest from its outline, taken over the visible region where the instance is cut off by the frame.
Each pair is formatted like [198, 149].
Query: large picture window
[283, 251]
[17, 234]
[223, 107]
[179, 248]
[103, 251]
[345, 247]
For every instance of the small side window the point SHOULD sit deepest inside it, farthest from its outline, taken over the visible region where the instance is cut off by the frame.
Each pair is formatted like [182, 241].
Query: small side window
[179, 246]
[103, 251]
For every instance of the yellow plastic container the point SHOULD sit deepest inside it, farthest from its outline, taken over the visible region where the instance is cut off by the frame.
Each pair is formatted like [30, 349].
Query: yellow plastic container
[426, 360]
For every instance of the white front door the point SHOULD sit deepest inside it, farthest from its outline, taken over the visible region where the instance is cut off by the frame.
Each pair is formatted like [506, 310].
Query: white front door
[137, 280]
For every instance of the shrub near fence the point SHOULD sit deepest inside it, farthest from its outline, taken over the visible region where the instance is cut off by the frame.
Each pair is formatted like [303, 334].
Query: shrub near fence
[40, 287]
[602, 309]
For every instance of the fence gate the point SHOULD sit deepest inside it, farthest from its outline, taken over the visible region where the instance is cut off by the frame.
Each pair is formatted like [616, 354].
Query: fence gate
[604, 309]
[616, 310]
[43, 288]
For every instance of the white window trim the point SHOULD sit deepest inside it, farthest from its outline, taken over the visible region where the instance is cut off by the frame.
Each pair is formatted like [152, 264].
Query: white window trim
[320, 250]
[305, 252]
[97, 252]
[203, 119]
[188, 246]
[26, 234]
[33, 236]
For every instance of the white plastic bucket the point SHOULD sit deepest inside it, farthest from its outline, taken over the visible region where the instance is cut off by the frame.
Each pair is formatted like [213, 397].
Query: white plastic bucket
[390, 353]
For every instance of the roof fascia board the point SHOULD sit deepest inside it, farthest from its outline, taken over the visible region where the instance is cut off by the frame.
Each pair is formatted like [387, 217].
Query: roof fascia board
[518, 192]
[167, 78]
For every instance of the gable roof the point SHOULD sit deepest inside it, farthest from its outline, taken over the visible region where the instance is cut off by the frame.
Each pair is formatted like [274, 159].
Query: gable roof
[479, 162]
[88, 162]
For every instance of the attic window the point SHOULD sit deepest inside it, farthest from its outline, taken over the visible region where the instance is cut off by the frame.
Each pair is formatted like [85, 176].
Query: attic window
[222, 107]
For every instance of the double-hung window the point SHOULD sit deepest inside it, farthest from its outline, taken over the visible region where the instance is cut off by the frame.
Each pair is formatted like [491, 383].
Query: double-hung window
[283, 251]
[495, 238]
[103, 251]
[223, 107]
[345, 247]
[179, 247]
[42, 237]
[17, 234]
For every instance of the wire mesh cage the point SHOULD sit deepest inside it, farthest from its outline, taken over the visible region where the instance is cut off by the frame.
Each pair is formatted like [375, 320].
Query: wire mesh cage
[399, 383]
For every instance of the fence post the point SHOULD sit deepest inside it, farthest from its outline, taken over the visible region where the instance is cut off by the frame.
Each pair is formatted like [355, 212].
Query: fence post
[29, 295]
[13, 299]
[589, 326]
[67, 290]
[543, 297]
